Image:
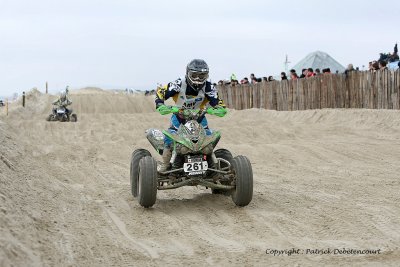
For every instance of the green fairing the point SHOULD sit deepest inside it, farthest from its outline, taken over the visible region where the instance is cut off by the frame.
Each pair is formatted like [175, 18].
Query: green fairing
[187, 143]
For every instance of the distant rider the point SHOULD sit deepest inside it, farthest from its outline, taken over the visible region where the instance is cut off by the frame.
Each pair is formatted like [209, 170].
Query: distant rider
[63, 101]
[193, 92]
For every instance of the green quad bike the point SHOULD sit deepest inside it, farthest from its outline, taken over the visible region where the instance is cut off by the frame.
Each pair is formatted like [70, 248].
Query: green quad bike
[194, 162]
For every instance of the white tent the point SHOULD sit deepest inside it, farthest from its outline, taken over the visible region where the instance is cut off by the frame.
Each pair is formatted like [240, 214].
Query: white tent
[318, 60]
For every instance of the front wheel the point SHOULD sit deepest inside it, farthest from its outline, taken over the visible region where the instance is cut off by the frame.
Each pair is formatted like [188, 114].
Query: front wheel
[243, 193]
[137, 155]
[74, 118]
[51, 117]
[147, 186]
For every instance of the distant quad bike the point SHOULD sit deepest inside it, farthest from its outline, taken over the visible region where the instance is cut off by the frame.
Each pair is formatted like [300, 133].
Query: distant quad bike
[62, 115]
[194, 162]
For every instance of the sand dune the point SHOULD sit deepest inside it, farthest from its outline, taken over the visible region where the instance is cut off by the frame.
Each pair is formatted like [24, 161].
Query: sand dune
[323, 179]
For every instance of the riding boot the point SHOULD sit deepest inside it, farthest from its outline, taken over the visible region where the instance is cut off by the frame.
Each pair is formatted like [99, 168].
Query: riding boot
[166, 157]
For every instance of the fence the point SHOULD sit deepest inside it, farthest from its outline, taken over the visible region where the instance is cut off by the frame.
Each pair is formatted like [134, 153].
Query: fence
[373, 90]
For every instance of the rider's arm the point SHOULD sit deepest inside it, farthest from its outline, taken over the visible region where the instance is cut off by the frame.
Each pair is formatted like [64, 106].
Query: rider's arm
[165, 92]
[218, 107]
[213, 97]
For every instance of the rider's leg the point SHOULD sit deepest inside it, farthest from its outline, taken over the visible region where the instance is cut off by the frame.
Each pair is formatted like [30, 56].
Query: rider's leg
[204, 123]
[167, 152]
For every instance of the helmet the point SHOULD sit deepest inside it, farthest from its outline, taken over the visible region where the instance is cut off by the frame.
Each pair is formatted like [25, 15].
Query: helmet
[196, 73]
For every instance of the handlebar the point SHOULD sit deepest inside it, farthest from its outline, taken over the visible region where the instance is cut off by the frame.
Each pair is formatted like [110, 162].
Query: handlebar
[191, 114]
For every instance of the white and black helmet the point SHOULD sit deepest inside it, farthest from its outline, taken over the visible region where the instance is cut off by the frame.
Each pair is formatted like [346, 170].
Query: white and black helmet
[197, 73]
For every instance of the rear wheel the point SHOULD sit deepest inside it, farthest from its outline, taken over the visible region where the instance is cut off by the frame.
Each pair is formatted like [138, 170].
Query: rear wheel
[147, 184]
[243, 193]
[74, 118]
[137, 155]
[227, 155]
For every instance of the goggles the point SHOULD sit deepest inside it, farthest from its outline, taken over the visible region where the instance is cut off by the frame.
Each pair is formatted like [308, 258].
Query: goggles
[198, 77]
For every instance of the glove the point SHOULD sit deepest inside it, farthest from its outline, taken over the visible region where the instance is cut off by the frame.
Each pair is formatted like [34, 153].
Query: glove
[164, 110]
[217, 111]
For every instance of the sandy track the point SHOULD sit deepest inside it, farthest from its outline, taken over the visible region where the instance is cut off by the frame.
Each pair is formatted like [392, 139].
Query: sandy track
[323, 179]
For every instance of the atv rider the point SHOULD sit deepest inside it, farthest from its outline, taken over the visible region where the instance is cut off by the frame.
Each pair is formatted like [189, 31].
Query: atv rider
[193, 92]
[63, 101]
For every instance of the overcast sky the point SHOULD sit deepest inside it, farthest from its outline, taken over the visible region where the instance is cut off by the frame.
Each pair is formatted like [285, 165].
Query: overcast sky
[129, 43]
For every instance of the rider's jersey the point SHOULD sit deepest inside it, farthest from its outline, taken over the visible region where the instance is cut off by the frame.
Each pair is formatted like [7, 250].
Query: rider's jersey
[185, 96]
[61, 103]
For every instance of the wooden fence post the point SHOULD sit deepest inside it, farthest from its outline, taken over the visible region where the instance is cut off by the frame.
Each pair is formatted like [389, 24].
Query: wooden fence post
[47, 88]
[6, 106]
[373, 90]
[23, 99]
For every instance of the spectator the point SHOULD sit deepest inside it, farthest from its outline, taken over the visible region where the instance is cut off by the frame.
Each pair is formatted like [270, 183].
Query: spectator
[253, 77]
[310, 73]
[395, 55]
[234, 83]
[293, 74]
[270, 78]
[327, 70]
[283, 76]
[371, 65]
[303, 73]
[254, 81]
[383, 56]
[220, 82]
[349, 69]
[317, 72]
[265, 79]
[382, 65]
[245, 81]
[375, 65]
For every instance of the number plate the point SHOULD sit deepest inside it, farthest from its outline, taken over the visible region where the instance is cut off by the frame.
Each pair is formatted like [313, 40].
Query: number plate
[195, 167]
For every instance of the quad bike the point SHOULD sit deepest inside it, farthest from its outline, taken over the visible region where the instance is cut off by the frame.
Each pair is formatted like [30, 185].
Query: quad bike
[194, 162]
[61, 114]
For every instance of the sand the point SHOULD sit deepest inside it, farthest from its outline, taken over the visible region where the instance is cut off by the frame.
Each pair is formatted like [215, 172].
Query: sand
[323, 179]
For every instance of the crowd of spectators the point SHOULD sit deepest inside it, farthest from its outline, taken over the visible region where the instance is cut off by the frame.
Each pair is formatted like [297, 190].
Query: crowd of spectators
[384, 60]
[390, 57]
[306, 73]
[380, 64]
